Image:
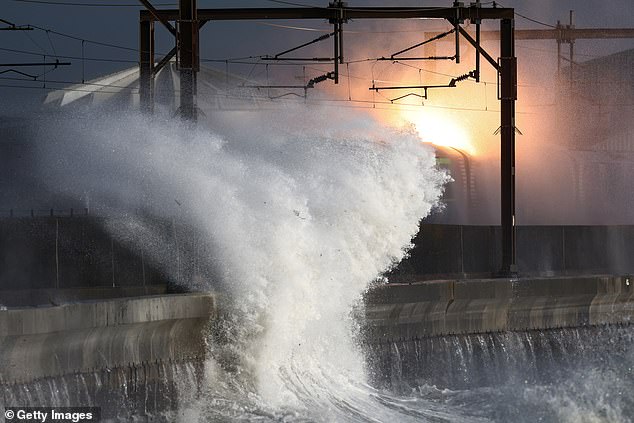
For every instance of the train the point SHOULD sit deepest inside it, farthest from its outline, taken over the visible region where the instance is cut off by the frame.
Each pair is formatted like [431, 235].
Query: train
[459, 203]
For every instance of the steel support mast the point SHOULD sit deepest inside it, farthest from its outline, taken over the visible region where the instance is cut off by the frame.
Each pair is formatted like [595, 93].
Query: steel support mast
[187, 57]
[508, 96]
[146, 66]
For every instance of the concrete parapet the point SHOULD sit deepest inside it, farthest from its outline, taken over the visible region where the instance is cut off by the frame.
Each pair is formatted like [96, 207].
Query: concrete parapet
[451, 307]
[85, 337]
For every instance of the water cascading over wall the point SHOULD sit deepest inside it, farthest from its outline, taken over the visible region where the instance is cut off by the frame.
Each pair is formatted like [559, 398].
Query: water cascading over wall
[461, 334]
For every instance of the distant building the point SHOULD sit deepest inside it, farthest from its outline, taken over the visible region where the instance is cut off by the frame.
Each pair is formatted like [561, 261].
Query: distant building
[596, 128]
[600, 102]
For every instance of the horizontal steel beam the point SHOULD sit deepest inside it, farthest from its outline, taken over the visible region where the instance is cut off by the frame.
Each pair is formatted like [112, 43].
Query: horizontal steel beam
[343, 13]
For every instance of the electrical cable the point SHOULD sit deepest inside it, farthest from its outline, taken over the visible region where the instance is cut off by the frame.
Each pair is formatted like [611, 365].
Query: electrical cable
[70, 3]
[297, 28]
[265, 98]
[226, 61]
[535, 20]
[53, 88]
[69, 57]
[35, 42]
[290, 3]
[244, 61]
[349, 32]
[57, 81]
[48, 35]
[75, 3]
[237, 61]
[530, 19]
[73, 37]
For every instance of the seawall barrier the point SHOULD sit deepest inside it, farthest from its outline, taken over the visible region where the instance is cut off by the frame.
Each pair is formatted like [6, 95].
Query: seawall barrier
[397, 312]
[463, 334]
[80, 337]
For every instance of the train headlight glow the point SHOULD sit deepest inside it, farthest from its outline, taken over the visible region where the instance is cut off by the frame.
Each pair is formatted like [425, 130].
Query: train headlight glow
[437, 129]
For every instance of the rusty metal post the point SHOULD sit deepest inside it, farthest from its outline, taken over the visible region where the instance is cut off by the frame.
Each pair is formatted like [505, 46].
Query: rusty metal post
[508, 95]
[146, 66]
[188, 58]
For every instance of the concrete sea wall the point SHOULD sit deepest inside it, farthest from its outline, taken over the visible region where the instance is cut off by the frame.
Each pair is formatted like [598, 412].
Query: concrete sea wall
[462, 334]
[53, 341]
[449, 307]
[133, 355]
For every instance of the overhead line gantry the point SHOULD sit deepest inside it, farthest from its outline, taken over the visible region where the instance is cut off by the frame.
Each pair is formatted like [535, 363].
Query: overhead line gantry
[189, 19]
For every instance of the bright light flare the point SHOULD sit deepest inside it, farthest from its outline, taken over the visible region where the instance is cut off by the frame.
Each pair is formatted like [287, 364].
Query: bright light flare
[438, 129]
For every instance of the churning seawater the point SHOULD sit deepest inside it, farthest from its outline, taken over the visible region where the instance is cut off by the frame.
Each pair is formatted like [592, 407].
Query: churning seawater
[302, 209]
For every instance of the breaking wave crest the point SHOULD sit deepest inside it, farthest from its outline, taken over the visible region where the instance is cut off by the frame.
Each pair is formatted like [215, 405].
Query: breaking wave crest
[302, 210]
